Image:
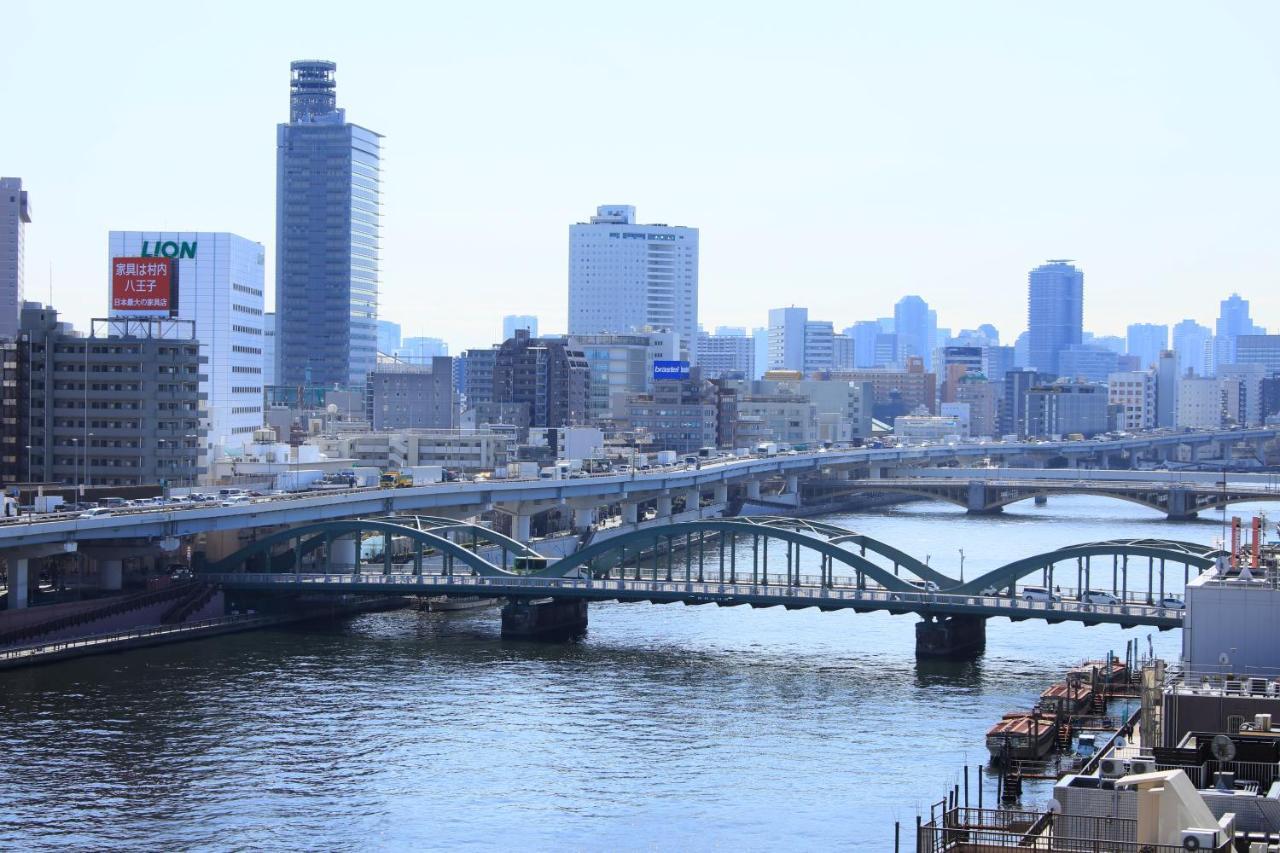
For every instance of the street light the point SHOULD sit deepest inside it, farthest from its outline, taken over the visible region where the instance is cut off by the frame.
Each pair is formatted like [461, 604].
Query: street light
[75, 464]
[88, 478]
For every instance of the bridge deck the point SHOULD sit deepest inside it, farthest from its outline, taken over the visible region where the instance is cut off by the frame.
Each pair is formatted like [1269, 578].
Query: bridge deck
[702, 592]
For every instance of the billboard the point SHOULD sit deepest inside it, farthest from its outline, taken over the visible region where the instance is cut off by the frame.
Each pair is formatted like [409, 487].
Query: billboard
[671, 370]
[144, 287]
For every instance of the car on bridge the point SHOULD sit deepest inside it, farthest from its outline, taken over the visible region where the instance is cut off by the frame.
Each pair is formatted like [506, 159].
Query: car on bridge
[1038, 593]
[1172, 602]
[1094, 596]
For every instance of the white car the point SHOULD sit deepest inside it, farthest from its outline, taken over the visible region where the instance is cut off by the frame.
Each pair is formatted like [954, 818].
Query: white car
[1038, 593]
[1093, 596]
[1172, 602]
[96, 512]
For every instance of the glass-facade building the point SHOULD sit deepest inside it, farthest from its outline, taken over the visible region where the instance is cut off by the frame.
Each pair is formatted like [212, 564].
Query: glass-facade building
[328, 210]
[1055, 312]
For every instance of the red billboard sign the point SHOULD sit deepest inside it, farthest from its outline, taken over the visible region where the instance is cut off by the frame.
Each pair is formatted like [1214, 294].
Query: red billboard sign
[142, 286]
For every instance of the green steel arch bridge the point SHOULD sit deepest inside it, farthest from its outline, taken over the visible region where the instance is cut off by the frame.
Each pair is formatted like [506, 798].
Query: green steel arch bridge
[757, 562]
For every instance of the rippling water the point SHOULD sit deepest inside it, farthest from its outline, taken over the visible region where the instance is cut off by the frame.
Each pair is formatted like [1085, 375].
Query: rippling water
[667, 727]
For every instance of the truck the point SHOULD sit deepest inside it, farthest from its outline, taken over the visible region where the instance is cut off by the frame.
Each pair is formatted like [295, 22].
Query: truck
[767, 448]
[366, 476]
[48, 503]
[298, 480]
[421, 475]
[558, 471]
[666, 457]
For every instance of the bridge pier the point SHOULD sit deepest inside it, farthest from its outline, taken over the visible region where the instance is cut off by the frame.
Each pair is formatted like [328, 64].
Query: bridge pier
[664, 506]
[976, 503]
[951, 636]
[1182, 504]
[631, 512]
[19, 584]
[753, 490]
[1041, 500]
[720, 494]
[111, 574]
[543, 619]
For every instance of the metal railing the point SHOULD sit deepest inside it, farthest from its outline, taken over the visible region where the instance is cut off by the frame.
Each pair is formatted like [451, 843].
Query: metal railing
[963, 829]
[776, 587]
[40, 649]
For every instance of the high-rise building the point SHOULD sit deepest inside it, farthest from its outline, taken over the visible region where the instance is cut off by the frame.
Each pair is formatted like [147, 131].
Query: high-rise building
[1134, 392]
[726, 354]
[388, 337]
[997, 361]
[842, 352]
[1147, 341]
[819, 346]
[1055, 312]
[621, 365]
[268, 349]
[1233, 321]
[1259, 349]
[626, 278]
[916, 328]
[15, 213]
[1192, 343]
[864, 334]
[1013, 403]
[328, 216]
[1166, 389]
[511, 322]
[1088, 362]
[220, 290]
[787, 338]
[759, 351]
[132, 418]
[545, 375]
[421, 350]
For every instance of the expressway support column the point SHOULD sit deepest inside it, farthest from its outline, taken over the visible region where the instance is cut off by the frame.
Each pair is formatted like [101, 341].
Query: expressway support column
[1182, 504]
[630, 513]
[753, 490]
[19, 583]
[793, 489]
[693, 501]
[951, 636]
[343, 556]
[542, 619]
[520, 527]
[721, 493]
[111, 574]
[583, 518]
[664, 507]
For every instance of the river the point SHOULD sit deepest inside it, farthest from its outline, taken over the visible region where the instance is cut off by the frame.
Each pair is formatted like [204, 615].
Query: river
[666, 727]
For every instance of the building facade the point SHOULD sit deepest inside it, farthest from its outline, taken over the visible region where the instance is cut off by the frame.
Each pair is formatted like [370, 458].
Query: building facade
[1065, 407]
[620, 365]
[545, 374]
[1055, 312]
[1200, 403]
[917, 328]
[679, 415]
[726, 355]
[405, 396]
[1194, 345]
[220, 291]
[1146, 341]
[511, 322]
[1134, 392]
[1088, 362]
[15, 214]
[625, 277]
[120, 406]
[328, 219]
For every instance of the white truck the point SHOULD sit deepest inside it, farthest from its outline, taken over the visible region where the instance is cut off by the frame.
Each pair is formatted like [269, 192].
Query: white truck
[767, 448]
[48, 503]
[366, 476]
[423, 474]
[298, 480]
[667, 457]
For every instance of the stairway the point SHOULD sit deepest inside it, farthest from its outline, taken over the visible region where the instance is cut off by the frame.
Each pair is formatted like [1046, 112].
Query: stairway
[28, 633]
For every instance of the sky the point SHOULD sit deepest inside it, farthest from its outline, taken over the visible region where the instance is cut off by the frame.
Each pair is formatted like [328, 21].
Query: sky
[834, 155]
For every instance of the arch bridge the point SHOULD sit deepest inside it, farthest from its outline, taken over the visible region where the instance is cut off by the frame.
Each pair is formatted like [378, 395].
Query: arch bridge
[757, 562]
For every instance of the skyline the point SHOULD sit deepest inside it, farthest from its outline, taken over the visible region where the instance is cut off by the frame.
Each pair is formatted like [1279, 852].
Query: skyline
[1048, 137]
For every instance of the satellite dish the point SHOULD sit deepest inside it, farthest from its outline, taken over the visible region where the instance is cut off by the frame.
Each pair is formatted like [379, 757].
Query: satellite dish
[1055, 807]
[1223, 748]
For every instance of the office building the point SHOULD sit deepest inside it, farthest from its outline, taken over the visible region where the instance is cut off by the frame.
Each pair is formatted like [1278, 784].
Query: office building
[1200, 403]
[1087, 362]
[1013, 405]
[1233, 321]
[842, 352]
[421, 350]
[220, 291]
[1242, 393]
[896, 392]
[1066, 407]
[1193, 344]
[545, 375]
[621, 365]
[728, 354]
[679, 414]
[411, 396]
[983, 399]
[819, 346]
[958, 362]
[15, 214]
[1134, 393]
[328, 218]
[1259, 349]
[388, 337]
[798, 343]
[626, 278]
[465, 450]
[1166, 389]
[1147, 341]
[997, 361]
[268, 349]
[117, 407]
[511, 322]
[1055, 312]
[477, 376]
[864, 334]
[916, 327]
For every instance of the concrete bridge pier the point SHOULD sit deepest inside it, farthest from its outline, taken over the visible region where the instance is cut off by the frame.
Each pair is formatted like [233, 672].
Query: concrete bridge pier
[721, 493]
[664, 506]
[630, 512]
[111, 574]
[693, 501]
[1182, 504]
[543, 619]
[343, 555]
[951, 636]
[19, 566]
[753, 490]
[1041, 500]
[976, 502]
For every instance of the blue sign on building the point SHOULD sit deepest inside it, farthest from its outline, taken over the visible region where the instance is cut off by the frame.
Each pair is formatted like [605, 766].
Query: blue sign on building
[671, 370]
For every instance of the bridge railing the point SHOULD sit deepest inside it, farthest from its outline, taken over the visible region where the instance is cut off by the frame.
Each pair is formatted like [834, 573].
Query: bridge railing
[880, 598]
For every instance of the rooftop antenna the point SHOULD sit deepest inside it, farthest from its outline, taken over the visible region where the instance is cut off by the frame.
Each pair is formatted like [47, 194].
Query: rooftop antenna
[50, 283]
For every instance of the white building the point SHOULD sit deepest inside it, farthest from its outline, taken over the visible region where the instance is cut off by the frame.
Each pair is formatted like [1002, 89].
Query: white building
[916, 429]
[1200, 403]
[220, 289]
[1135, 390]
[729, 352]
[15, 213]
[625, 277]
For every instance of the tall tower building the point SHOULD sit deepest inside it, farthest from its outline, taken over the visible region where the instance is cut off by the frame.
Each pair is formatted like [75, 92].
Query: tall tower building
[916, 327]
[1192, 342]
[15, 213]
[625, 277]
[328, 216]
[1233, 321]
[1055, 312]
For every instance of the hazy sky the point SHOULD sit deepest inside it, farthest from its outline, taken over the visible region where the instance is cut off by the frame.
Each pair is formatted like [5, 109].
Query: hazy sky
[833, 155]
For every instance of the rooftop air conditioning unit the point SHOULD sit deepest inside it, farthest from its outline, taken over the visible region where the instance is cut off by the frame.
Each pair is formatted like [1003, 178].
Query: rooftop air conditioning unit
[1262, 722]
[1113, 768]
[1199, 839]
[1144, 764]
